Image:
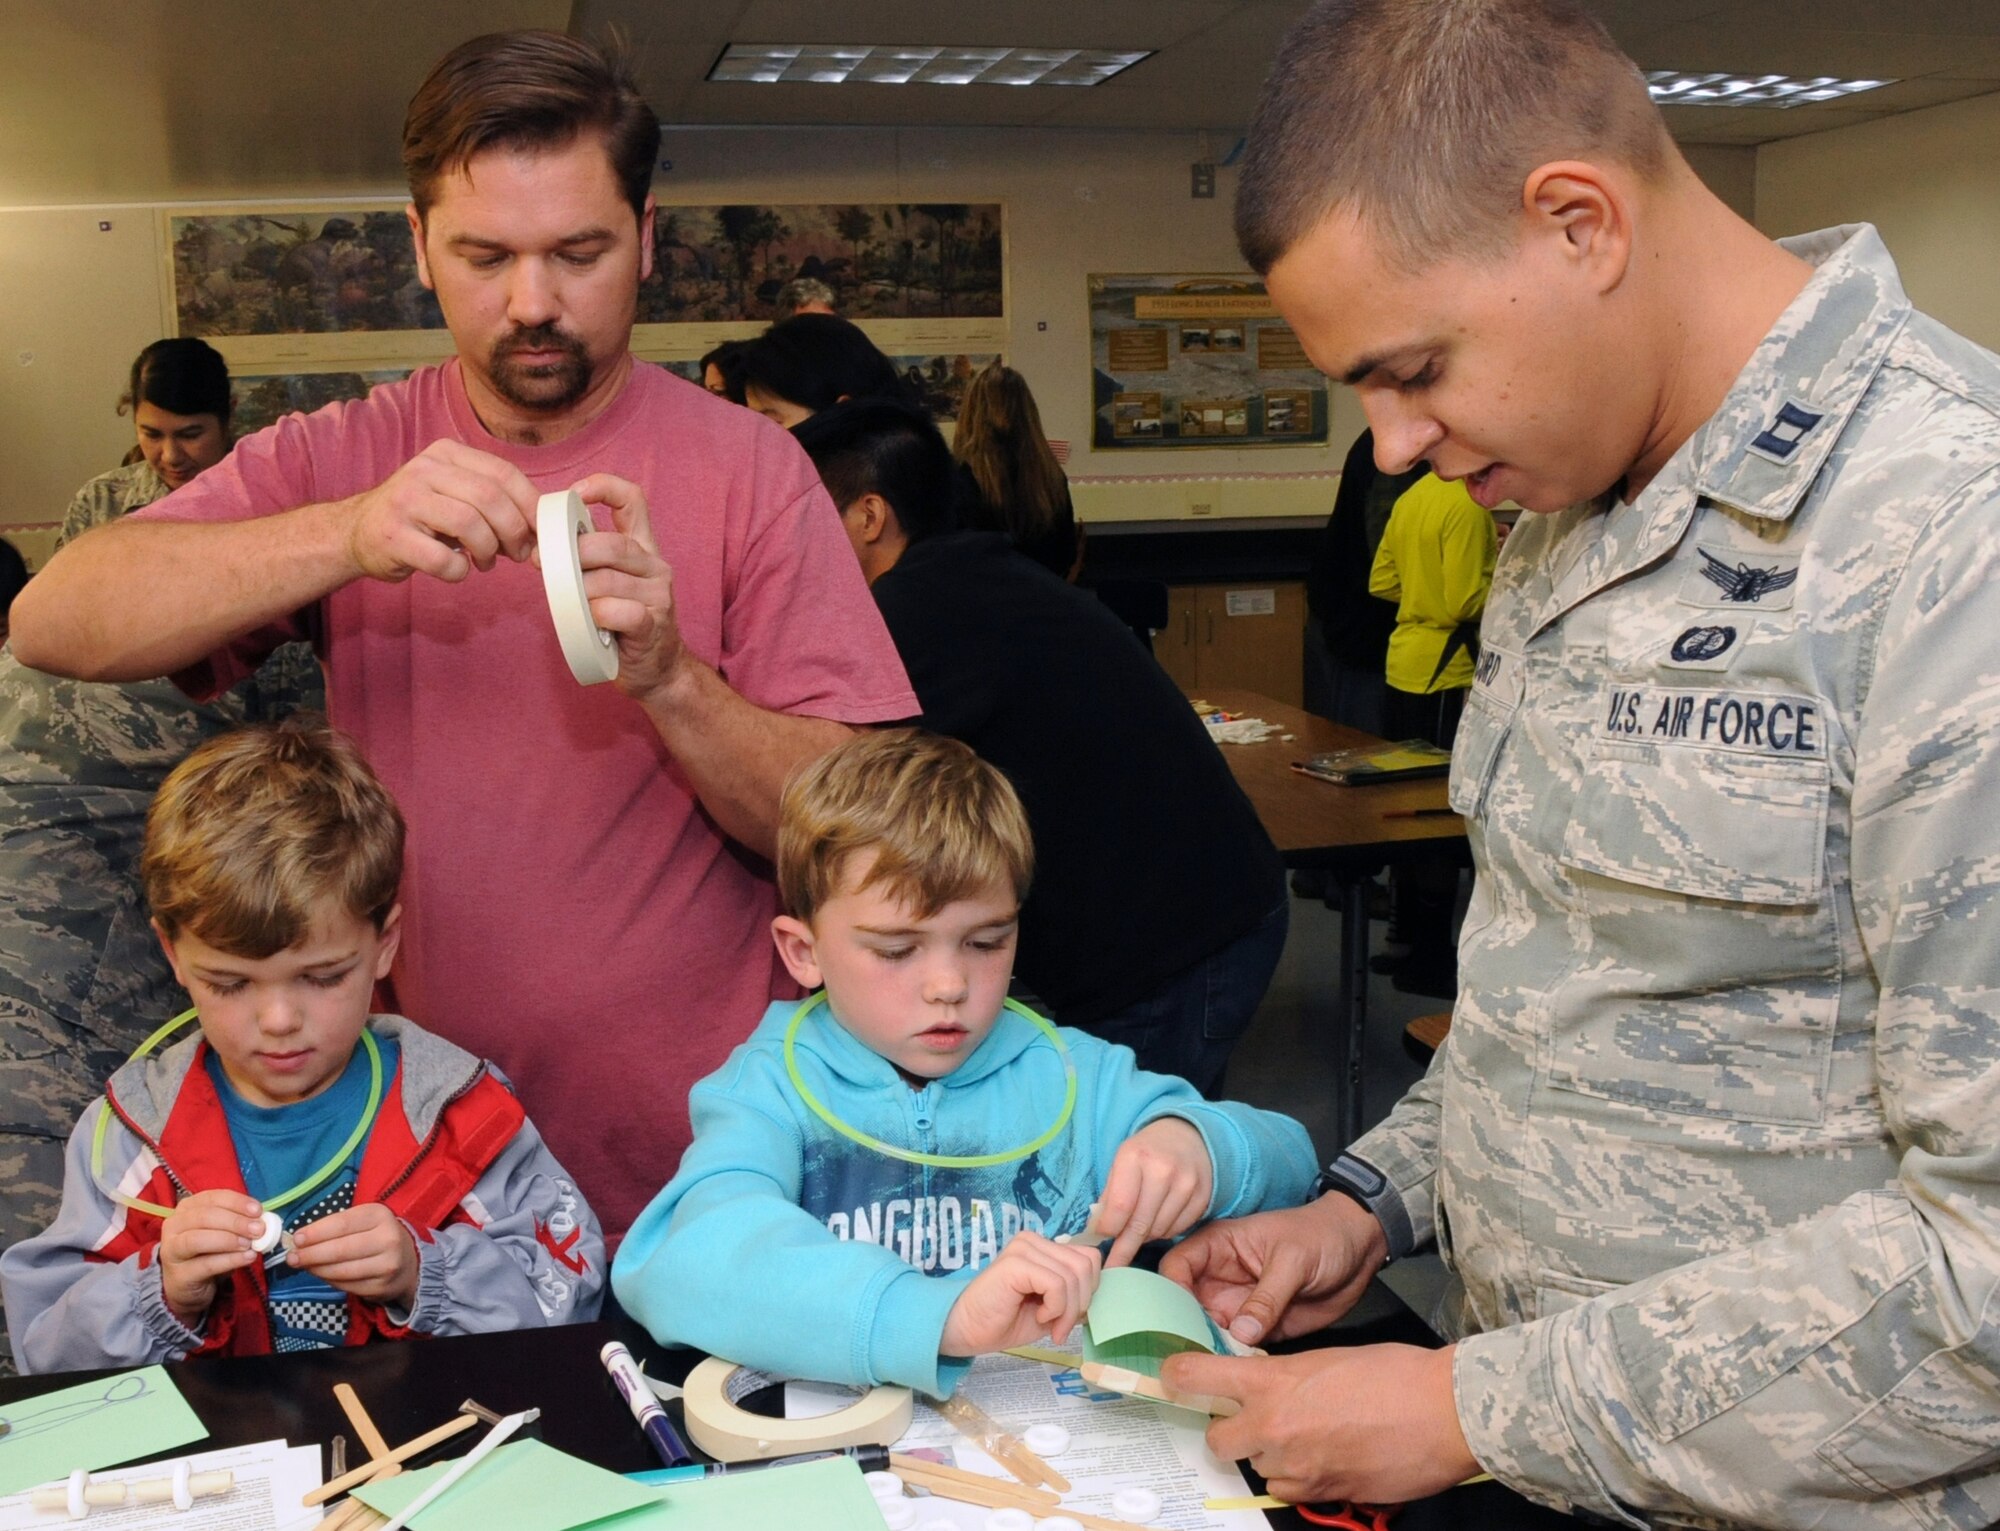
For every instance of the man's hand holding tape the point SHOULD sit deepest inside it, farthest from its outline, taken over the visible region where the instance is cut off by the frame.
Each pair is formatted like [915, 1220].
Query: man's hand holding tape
[736, 753]
[1374, 1423]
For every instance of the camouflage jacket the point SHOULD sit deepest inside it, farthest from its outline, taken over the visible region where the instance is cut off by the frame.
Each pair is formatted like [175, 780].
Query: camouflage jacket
[1714, 1145]
[78, 766]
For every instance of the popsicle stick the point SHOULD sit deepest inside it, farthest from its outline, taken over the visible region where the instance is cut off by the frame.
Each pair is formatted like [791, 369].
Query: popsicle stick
[486, 1445]
[992, 1494]
[1119, 1379]
[372, 1440]
[911, 1468]
[979, 1427]
[378, 1467]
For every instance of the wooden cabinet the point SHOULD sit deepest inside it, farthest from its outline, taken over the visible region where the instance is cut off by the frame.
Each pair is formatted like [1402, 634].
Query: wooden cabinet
[1250, 636]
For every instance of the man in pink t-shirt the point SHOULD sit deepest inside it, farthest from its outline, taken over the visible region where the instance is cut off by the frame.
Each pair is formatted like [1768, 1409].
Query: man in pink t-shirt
[586, 900]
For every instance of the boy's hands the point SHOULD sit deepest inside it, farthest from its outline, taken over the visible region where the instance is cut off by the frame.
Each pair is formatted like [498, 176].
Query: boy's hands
[1160, 1184]
[1033, 1287]
[365, 1251]
[202, 1240]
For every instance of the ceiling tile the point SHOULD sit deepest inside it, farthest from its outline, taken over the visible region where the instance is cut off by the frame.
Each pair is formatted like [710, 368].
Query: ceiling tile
[1749, 40]
[1019, 23]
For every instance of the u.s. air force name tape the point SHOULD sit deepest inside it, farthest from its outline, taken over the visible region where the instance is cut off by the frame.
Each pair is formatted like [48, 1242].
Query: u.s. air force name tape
[592, 653]
[729, 1433]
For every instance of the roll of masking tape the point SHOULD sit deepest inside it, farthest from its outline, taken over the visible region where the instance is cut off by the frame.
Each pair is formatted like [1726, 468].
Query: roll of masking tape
[712, 1398]
[592, 653]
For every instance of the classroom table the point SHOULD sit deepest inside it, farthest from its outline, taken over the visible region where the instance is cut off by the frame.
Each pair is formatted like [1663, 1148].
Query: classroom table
[412, 1386]
[1351, 832]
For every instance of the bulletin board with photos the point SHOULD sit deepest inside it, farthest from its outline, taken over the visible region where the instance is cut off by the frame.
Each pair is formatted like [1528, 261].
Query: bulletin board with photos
[1198, 360]
[313, 303]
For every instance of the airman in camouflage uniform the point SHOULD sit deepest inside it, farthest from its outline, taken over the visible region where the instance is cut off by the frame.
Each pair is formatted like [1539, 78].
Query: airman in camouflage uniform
[1713, 1146]
[82, 981]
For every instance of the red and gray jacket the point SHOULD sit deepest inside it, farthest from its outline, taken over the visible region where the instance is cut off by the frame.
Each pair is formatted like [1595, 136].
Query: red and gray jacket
[504, 1239]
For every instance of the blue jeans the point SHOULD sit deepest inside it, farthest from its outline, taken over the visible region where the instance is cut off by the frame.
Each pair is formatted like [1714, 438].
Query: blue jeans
[1191, 1024]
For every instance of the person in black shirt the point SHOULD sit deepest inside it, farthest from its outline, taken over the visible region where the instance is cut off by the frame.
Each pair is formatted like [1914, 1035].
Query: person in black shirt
[1159, 909]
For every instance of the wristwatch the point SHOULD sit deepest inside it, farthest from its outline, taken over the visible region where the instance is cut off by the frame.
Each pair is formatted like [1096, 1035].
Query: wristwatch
[1361, 1181]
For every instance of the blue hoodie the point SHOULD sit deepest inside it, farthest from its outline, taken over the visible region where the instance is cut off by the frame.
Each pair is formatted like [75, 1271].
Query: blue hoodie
[785, 1246]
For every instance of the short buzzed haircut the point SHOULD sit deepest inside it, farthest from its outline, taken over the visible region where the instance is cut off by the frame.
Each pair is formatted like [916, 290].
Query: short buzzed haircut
[262, 829]
[533, 90]
[1425, 118]
[942, 824]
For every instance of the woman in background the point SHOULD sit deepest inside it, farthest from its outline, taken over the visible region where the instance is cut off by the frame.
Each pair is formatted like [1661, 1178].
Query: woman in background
[722, 371]
[82, 981]
[1010, 480]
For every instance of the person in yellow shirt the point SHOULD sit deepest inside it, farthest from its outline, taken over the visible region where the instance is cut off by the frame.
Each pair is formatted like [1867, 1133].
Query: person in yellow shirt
[1436, 563]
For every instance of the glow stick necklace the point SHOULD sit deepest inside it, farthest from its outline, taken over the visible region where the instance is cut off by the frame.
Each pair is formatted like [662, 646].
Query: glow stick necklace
[270, 1203]
[911, 1155]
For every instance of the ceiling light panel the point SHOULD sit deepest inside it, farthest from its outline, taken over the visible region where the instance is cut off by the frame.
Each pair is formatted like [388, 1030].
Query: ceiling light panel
[1670, 87]
[817, 64]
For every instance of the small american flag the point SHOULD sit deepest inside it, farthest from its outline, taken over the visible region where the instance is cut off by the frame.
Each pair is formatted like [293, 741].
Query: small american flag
[1061, 449]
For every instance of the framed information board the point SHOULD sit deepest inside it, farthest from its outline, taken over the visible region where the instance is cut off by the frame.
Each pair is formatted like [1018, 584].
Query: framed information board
[1198, 360]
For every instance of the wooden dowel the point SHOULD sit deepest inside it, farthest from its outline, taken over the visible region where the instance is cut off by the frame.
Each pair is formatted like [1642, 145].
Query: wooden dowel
[391, 1460]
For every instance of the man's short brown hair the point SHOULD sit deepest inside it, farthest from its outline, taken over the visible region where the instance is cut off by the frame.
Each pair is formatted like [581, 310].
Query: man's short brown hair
[1425, 118]
[258, 830]
[527, 90]
[943, 824]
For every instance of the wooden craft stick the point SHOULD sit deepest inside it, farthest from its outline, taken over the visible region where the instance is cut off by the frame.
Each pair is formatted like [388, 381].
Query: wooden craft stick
[912, 1467]
[1062, 1360]
[992, 1494]
[1040, 1500]
[372, 1440]
[378, 1467]
[482, 1449]
[1119, 1379]
[983, 1430]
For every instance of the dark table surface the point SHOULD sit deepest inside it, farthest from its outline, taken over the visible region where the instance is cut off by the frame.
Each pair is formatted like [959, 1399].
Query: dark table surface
[412, 1387]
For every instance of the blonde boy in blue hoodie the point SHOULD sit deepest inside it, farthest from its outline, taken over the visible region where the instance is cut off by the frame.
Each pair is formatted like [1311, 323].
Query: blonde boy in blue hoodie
[880, 1173]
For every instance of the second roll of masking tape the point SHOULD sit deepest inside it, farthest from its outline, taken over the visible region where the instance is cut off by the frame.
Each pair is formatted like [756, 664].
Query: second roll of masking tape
[730, 1433]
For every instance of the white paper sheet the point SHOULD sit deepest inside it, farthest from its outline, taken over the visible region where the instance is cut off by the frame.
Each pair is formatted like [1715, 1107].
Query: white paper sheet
[1115, 1442]
[271, 1479]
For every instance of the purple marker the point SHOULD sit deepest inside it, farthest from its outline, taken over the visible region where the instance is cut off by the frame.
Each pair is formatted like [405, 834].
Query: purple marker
[631, 1385]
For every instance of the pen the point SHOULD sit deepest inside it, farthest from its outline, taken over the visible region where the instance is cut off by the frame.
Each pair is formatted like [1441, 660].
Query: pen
[870, 1459]
[625, 1376]
[1421, 813]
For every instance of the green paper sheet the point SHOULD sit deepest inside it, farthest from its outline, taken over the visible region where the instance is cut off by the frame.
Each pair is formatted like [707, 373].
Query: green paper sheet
[92, 1425]
[523, 1486]
[827, 1495]
[1137, 1319]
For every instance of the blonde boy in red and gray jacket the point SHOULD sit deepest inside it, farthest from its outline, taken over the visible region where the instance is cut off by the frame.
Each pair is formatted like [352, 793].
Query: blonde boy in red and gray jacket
[405, 1188]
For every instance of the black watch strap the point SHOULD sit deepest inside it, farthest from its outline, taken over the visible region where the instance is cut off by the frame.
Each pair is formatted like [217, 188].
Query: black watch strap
[1359, 1179]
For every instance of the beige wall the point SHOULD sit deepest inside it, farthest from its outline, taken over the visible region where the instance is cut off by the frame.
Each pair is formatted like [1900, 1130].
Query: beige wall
[1930, 180]
[82, 302]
